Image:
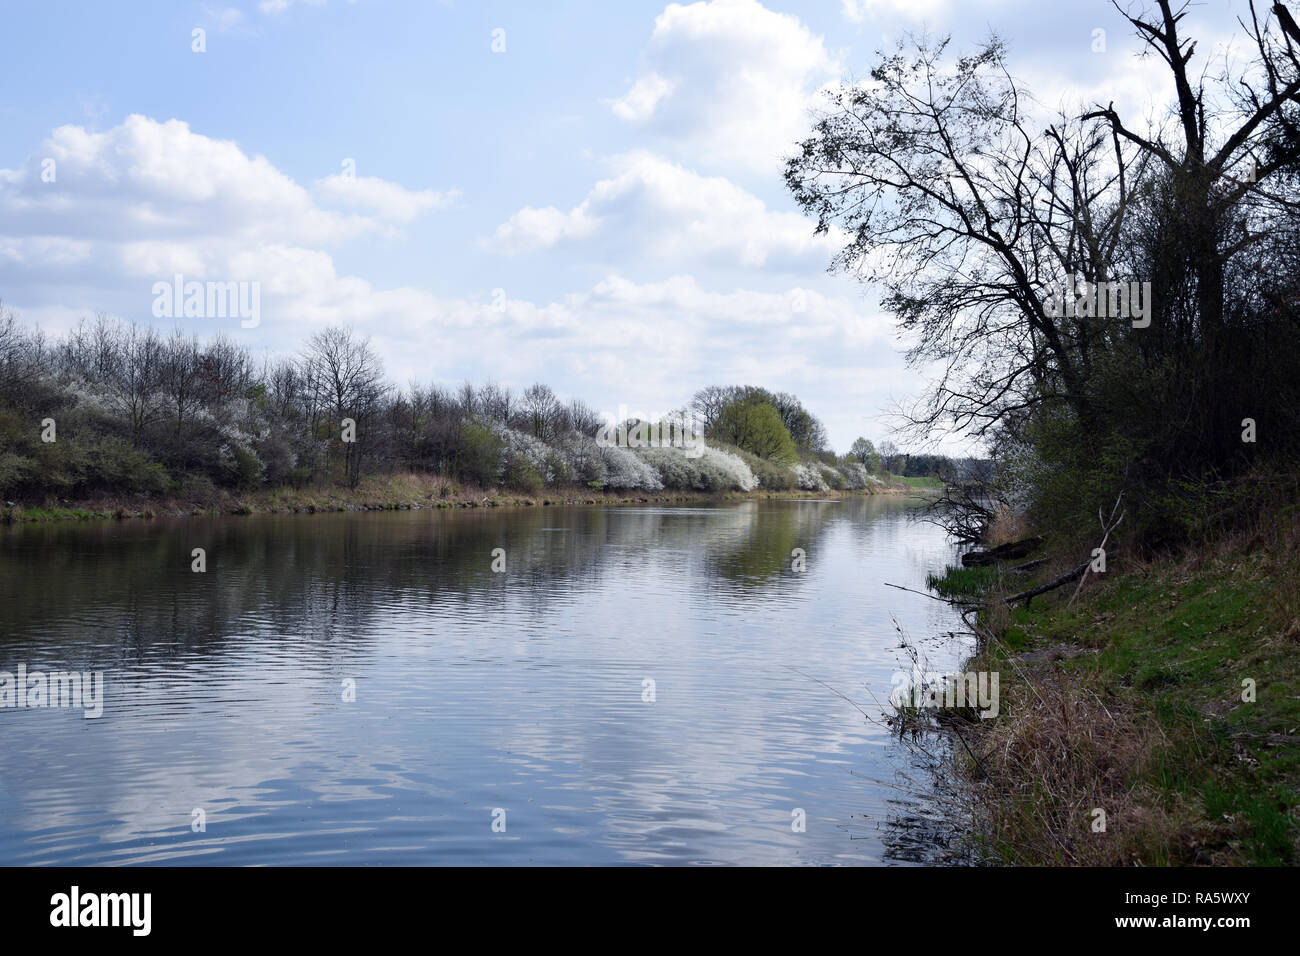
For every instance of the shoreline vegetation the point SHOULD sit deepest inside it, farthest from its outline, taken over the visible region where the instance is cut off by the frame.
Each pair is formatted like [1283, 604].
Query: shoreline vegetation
[115, 418]
[1163, 694]
[406, 492]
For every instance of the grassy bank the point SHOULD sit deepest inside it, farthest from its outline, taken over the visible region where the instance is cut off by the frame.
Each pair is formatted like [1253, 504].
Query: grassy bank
[1130, 701]
[399, 492]
[914, 482]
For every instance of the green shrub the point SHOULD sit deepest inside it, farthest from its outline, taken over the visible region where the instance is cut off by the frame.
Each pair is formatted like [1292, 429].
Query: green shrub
[247, 471]
[558, 469]
[114, 464]
[15, 471]
[478, 455]
[521, 475]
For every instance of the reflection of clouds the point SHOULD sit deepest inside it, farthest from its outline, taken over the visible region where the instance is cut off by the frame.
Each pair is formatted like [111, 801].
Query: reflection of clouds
[474, 690]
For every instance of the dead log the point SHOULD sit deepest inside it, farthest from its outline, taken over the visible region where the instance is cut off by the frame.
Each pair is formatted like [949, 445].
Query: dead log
[1003, 552]
[1066, 578]
[1107, 526]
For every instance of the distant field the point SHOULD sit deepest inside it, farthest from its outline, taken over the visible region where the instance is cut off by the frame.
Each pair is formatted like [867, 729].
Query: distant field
[917, 482]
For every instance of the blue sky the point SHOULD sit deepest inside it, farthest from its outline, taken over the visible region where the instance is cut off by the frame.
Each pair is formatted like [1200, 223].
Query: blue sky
[597, 206]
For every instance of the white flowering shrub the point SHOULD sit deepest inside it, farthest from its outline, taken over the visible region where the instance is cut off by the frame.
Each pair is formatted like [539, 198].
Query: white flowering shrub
[680, 473]
[625, 470]
[856, 475]
[809, 478]
[519, 446]
[611, 466]
[742, 478]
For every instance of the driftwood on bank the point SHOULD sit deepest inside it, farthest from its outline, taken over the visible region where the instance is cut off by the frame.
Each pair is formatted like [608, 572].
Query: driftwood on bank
[1027, 566]
[1018, 549]
[1049, 586]
[1107, 526]
[1003, 552]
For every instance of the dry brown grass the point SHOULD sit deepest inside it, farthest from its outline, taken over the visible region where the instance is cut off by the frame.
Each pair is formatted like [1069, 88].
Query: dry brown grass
[998, 617]
[403, 490]
[1006, 526]
[1060, 752]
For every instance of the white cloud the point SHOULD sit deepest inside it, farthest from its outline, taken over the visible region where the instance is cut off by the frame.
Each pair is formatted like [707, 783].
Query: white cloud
[92, 220]
[272, 7]
[648, 345]
[728, 82]
[385, 199]
[858, 11]
[226, 19]
[146, 200]
[656, 209]
[643, 98]
[146, 180]
[532, 228]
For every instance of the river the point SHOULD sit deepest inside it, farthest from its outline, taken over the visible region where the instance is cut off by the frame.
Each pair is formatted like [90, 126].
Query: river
[638, 685]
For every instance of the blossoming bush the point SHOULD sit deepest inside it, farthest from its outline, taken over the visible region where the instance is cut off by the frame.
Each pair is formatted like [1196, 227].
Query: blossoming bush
[607, 466]
[712, 470]
[809, 478]
[857, 477]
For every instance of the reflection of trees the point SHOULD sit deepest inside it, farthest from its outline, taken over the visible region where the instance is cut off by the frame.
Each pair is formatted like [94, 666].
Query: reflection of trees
[101, 592]
[763, 537]
[759, 549]
[325, 578]
[129, 585]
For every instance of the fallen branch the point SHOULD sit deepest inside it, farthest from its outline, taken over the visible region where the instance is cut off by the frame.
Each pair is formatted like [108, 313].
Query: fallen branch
[1027, 596]
[1027, 565]
[1106, 530]
[933, 597]
[1107, 526]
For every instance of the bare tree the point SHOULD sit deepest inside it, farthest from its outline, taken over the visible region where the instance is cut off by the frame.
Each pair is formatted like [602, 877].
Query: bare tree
[1221, 171]
[347, 378]
[970, 215]
[178, 378]
[967, 217]
[22, 357]
[709, 402]
[539, 407]
[135, 385]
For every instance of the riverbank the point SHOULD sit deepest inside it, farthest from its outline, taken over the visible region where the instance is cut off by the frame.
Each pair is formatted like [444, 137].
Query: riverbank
[1153, 721]
[402, 492]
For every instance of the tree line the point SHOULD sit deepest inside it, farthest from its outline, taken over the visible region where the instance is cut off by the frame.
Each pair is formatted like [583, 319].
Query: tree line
[115, 407]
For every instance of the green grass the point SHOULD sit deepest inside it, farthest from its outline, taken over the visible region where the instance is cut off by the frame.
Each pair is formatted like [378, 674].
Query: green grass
[960, 583]
[1174, 644]
[24, 513]
[926, 482]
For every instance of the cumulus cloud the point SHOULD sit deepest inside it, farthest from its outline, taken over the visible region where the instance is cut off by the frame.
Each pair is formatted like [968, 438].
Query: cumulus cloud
[146, 179]
[653, 208]
[858, 11]
[385, 199]
[727, 82]
[640, 102]
[98, 217]
[648, 345]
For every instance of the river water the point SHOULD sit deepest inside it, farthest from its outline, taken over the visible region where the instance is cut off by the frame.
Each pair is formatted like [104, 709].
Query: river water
[638, 685]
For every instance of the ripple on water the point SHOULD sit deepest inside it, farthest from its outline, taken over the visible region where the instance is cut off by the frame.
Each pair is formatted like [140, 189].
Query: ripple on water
[643, 685]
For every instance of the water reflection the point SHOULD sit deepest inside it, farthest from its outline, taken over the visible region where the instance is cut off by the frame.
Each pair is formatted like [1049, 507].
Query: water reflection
[524, 691]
